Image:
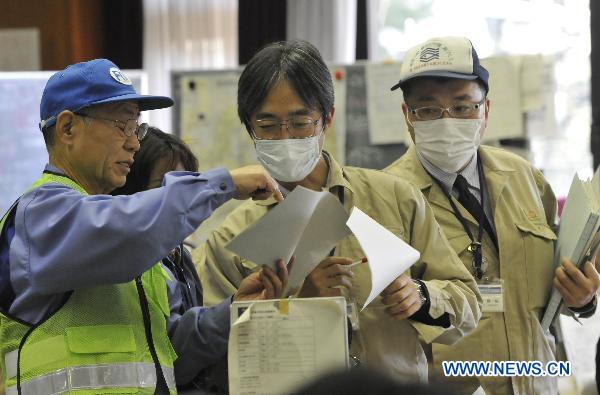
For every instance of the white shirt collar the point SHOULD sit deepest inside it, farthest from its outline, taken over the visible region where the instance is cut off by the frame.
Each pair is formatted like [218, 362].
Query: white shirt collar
[447, 179]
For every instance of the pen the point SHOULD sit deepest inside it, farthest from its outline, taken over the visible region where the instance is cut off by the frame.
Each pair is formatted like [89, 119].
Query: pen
[362, 260]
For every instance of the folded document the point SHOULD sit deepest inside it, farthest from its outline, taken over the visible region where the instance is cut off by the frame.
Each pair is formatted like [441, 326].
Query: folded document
[578, 236]
[308, 225]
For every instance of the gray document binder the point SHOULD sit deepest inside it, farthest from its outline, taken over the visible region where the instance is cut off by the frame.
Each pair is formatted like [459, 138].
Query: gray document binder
[578, 237]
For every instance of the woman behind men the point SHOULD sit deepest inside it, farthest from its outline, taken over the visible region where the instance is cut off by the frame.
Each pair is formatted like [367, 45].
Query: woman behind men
[161, 153]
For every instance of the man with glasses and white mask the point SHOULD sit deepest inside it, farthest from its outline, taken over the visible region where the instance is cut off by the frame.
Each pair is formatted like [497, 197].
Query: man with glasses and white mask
[286, 102]
[496, 209]
[84, 304]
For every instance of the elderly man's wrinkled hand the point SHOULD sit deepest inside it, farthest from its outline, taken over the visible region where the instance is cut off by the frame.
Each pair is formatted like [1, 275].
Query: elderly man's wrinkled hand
[264, 284]
[254, 182]
[577, 287]
[402, 298]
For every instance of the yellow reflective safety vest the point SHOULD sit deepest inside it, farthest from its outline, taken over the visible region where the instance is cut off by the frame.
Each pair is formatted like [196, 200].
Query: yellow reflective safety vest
[103, 339]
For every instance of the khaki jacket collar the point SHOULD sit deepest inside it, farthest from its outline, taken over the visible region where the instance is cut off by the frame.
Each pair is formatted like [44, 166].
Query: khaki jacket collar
[336, 178]
[497, 174]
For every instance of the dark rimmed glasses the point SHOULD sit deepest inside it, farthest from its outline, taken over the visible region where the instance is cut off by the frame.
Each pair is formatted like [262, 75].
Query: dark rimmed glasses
[461, 110]
[299, 127]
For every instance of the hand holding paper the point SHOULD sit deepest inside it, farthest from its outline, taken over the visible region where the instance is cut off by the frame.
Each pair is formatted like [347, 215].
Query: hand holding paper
[577, 287]
[264, 284]
[402, 298]
[326, 279]
[388, 255]
[254, 182]
[307, 224]
[578, 241]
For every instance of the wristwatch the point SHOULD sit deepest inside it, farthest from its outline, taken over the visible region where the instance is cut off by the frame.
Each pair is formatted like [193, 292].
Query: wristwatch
[422, 294]
[585, 311]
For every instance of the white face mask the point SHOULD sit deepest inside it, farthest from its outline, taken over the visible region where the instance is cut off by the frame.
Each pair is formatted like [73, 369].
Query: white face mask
[448, 143]
[289, 160]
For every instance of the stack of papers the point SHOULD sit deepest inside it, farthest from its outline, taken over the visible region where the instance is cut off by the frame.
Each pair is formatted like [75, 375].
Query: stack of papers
[578, 236]
[308, 225]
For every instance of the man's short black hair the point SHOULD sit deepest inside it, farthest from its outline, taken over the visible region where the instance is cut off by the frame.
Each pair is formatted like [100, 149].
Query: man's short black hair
[297, 62]
[48, 134]
[408, 86]
[48, 131]
[157, 145]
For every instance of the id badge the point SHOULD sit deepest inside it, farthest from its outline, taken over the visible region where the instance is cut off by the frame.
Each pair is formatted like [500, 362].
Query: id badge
[352, 312]
[492, 293]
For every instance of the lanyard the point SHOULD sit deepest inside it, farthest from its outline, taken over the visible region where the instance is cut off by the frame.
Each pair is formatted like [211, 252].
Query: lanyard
[475, 246]
[340, 194]
[174, 261]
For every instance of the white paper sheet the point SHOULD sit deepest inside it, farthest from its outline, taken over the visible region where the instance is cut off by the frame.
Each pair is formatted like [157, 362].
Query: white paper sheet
[542, 121]
[307, 225]
[209, 122]
[506, 116]
[20, 49]
[276, 346]
[386, 121]
[388, 255]
[335, 139]
[532, 82]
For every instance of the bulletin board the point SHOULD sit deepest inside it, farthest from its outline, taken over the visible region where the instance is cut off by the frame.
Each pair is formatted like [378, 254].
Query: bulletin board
[368, 128]
[206, 119]
[23, 153]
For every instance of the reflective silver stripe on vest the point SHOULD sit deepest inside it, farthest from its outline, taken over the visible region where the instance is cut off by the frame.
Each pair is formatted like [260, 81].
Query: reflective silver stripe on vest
[10, 361]
[136, 375]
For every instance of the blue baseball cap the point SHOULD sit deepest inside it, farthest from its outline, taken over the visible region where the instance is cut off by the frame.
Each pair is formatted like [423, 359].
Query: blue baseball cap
[86, 84]
[451, 57]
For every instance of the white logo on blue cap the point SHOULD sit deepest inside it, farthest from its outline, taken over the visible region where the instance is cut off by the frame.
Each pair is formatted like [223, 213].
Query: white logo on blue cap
[119, 76]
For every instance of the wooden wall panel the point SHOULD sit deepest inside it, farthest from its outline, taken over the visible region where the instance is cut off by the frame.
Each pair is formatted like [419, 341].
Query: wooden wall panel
[86, 29]
[70, 30]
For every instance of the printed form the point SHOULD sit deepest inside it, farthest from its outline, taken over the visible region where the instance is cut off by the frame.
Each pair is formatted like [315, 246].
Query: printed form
[276, 346]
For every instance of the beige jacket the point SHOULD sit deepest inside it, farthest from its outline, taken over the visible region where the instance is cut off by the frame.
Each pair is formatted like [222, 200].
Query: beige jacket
[392, 346]
[524, 207]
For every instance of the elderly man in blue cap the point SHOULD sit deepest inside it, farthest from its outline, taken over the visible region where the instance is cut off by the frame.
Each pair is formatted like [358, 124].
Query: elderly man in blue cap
[498, 213]
[83, 301]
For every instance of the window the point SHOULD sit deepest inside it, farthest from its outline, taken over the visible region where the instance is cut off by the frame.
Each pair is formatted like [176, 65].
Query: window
[511, 27]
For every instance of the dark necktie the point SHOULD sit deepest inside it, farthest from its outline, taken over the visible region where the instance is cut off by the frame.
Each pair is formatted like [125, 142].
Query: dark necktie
[470, 202]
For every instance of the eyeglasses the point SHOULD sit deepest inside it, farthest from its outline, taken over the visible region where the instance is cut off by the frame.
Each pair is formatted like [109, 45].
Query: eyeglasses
[299, 127]
[461, 110]
[129, 127]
